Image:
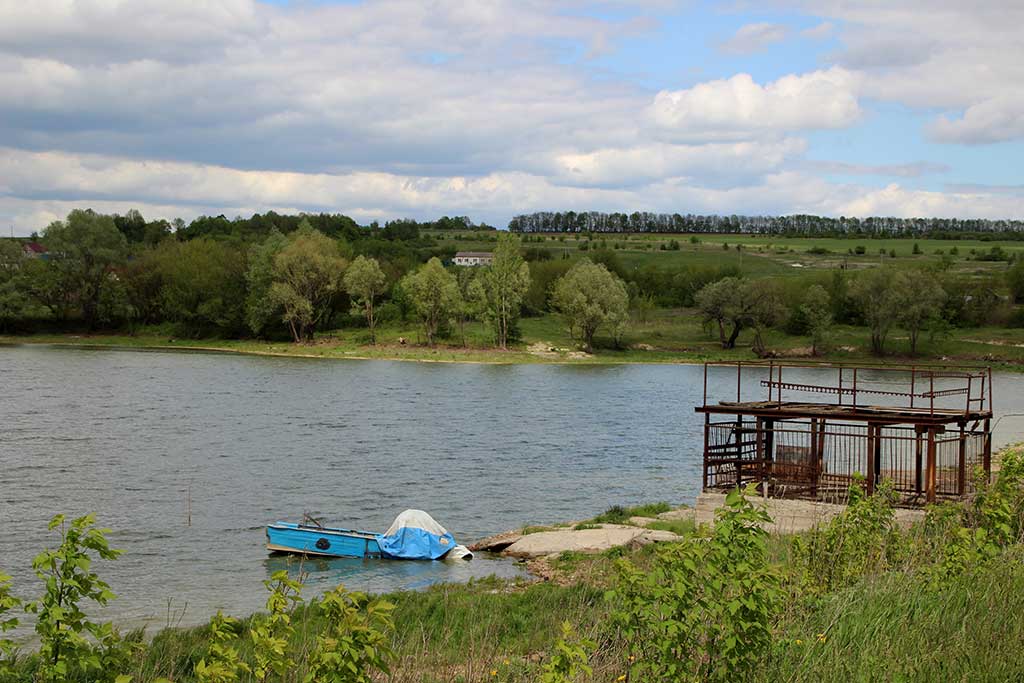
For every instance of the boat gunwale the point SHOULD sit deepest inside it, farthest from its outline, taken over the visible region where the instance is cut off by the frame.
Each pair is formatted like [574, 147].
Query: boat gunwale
[350, 533]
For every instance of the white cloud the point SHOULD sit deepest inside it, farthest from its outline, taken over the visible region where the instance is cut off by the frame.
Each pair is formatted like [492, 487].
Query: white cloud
[819, 32]
[173, 189]
[738, 107]
[994, 120]
[752, 38]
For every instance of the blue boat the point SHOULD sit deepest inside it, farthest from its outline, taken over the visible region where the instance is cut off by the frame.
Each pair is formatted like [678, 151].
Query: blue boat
[311, 539]
[414, 535]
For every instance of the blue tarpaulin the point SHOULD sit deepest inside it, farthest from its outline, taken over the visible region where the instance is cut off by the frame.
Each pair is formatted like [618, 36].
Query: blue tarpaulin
[415, 535]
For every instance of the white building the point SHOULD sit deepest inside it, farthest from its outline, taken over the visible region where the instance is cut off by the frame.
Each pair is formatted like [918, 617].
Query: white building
[474, 258]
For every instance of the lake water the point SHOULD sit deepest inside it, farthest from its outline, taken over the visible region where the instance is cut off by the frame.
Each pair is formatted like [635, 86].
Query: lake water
[187, 456]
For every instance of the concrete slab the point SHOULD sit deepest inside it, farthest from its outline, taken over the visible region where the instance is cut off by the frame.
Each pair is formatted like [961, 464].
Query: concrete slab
[791, 516]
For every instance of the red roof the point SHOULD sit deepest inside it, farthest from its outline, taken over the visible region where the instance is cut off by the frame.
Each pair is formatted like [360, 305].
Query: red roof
[34, 247]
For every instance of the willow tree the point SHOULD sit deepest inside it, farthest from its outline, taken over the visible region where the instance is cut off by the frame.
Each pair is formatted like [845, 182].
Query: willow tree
[435, 296]
[365, 281]
[503, 285]
[308, 273]
[83, 251]
[590, 297]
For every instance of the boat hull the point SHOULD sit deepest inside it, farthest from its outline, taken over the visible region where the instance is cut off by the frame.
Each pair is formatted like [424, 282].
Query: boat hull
[302, 539]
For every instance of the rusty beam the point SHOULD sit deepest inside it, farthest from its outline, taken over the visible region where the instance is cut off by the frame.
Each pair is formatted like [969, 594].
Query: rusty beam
[930, 473]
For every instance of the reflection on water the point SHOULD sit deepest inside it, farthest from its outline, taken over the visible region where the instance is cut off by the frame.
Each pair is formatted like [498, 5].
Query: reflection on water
[188, 456]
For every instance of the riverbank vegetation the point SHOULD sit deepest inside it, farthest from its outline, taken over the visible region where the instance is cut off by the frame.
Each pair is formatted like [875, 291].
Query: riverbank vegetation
[857, 598]
[332, 287]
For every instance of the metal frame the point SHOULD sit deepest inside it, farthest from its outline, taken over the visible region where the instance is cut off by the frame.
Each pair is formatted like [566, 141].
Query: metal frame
[818, 449]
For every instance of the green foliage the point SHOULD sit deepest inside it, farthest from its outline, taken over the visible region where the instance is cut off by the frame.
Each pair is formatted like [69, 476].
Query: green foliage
[568, 660]
[503, 286]
[83, 250]
[918, 299]
[354, 644]
[705, 609]
[200, 285]
[816, 310]
[365, 281]
[308, 273]
[434, 295]
[878, 301]
[590, 297]
[271, 633]
[8, 603]
[70, 644]
[260, 309]
[861, 540]
[619, 515]
[222, 663]
[737, 303]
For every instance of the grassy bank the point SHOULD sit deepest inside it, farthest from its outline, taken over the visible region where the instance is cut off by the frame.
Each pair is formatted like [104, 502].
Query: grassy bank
[857, 599]
[664, 336]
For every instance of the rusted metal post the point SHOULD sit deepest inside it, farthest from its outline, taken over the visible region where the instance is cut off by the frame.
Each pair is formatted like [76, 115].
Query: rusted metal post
[930, 474]
[990, 406]
[913, 377]
[815, 456]
[739, 375]
[870, 457]
[759, 438]
[780, 386]
[931, 392]
[967, 408]
[918, 459]
[855, 387]
[707, 436]
[771, 376]
[705, 385]
[987, 456]
[961, 474]
[877, 455]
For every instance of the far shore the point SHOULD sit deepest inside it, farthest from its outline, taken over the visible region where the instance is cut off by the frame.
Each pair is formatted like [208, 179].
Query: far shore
[329, 347]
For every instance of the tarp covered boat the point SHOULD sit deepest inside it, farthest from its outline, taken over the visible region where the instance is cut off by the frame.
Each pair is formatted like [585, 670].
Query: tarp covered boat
[414, 535]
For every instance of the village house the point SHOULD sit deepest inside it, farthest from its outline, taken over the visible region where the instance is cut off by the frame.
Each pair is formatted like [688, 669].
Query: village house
[33, 250]
[474, 258]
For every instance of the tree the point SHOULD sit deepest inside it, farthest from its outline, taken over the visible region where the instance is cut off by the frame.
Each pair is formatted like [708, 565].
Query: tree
[308, 273]
[365, 281]
[877, 300]
[434, 294]
[919, 301]
[83, 249]
[1015, 279]
[12, 296]
[260, 309]
[201, 285]
[588, 297]
[737, 304]
[816, 310]
[504, 285]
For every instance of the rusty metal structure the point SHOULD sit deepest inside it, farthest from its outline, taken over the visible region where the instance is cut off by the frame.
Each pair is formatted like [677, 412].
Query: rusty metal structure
[811, 430]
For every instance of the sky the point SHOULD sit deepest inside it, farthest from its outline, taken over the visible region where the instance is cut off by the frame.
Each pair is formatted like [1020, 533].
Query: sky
[490, 108]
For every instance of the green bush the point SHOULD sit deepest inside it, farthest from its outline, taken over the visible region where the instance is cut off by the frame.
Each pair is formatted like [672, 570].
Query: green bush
[705, 609]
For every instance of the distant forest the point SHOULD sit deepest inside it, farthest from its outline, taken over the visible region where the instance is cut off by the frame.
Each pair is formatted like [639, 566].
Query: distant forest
[795, 225]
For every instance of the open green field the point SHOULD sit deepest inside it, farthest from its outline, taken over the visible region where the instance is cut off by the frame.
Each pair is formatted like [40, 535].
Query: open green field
[759, 255]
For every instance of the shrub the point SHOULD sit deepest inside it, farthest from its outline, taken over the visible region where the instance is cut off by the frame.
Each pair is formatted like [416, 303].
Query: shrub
[863, 539]
[705, 609]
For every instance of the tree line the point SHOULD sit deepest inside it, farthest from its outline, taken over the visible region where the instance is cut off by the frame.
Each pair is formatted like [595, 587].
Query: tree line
[251, 277]
[795, 225]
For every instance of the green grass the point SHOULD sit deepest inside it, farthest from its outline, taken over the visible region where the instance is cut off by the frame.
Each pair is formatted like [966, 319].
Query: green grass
[892, 629]
[667, 336]
[620, 515]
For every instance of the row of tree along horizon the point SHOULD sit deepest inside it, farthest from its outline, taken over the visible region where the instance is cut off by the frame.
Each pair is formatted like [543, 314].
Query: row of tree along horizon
[137, 229]
[294, 275]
